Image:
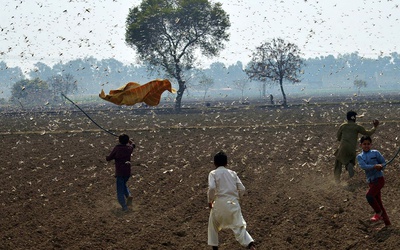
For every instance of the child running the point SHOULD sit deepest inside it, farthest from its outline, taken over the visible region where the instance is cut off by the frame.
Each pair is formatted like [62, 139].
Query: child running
[122, 156]
[224, 191]
[373, 163]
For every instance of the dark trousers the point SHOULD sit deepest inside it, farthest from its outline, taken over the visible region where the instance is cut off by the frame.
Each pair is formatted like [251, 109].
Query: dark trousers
[374, 198]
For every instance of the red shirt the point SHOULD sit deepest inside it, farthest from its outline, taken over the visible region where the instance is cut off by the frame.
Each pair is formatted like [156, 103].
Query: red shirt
[122, 156]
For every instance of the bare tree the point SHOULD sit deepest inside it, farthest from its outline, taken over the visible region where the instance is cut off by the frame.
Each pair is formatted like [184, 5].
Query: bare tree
[276, 61]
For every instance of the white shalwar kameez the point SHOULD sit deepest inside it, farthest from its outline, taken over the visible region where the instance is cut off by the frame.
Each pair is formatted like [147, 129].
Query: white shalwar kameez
[224, 190]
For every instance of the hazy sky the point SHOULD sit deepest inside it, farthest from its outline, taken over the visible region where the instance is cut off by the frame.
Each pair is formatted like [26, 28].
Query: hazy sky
[61, 30]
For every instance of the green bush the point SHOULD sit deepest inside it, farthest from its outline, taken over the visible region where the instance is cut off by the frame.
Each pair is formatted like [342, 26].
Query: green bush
[30, 92]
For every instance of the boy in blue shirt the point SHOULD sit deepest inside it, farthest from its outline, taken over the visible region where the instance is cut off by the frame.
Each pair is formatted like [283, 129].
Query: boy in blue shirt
[373, 163]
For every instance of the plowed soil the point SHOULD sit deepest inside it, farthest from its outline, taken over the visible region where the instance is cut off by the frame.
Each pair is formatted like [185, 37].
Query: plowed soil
[58, 192]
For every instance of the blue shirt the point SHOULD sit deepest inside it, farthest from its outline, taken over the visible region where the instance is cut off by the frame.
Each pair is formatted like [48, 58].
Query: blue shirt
[367, 161]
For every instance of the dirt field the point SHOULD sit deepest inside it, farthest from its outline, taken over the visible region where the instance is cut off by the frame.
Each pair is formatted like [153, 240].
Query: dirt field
[58, 192]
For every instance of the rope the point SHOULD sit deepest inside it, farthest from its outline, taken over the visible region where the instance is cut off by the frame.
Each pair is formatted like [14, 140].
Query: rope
[111, 133]
[390, 161]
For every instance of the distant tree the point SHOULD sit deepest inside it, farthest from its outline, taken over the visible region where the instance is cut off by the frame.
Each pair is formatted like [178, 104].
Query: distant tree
[114, 72]
[241, 85]
[218, 72]
[360, 84]
[204, 83]
[236, 71]
[86, 71]
[8, 76]
[277, 61]
[30, 92]
[3, 101]
[41, 70]
[62, 84]
[167, 34]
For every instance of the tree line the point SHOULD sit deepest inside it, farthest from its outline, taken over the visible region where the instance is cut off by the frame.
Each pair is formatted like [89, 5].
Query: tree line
[350, 72]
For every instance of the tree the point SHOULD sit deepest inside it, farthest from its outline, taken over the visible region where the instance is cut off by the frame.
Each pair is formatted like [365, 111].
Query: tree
[277, 61]
[240, 85]
[204, 83]
[168, 34]
[360, 84]
[8, 76]
[86, 70]
[62, 84]
[41, 70]
[30, 92]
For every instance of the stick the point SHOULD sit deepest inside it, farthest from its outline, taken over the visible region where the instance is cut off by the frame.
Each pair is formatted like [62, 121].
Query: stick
[111, 133]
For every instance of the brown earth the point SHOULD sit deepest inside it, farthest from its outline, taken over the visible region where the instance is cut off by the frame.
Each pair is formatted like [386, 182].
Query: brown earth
[58, 192]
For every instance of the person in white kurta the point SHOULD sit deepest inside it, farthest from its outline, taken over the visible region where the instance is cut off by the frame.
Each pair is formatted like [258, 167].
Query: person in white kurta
[224, 191]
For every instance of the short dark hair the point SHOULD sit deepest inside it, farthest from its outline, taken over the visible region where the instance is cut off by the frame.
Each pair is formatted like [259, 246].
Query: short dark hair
[351, 115]
[123, 138]
[220, 159]
[365, 138]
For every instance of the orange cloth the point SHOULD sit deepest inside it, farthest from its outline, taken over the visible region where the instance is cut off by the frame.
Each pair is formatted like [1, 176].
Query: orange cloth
[133, 93]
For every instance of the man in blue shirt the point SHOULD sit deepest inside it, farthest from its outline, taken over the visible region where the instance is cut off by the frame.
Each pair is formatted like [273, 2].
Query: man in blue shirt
[373, 163]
